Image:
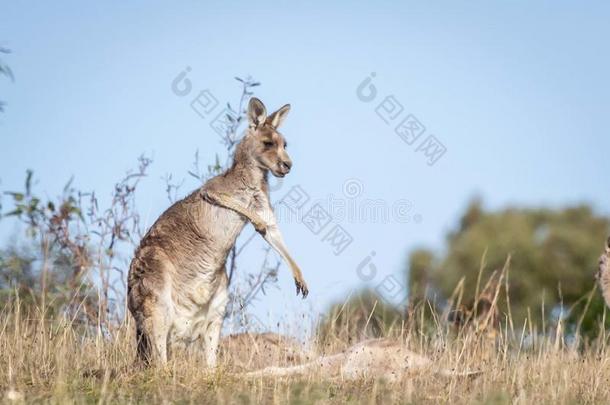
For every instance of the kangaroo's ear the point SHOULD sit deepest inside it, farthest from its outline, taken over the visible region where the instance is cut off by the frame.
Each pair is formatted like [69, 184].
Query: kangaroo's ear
[257, 113]
[276, 119]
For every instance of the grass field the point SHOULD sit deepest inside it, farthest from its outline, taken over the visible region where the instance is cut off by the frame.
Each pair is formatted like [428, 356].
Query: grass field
[54, 360]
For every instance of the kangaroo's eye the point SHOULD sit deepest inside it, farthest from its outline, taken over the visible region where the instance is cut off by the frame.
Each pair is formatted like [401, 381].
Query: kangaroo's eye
[268, 144]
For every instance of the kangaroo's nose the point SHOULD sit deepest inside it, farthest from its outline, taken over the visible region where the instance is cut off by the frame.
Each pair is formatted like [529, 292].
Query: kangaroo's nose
[287, 164]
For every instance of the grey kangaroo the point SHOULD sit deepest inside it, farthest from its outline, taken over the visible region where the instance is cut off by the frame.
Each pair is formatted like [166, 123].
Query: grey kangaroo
[177, 283]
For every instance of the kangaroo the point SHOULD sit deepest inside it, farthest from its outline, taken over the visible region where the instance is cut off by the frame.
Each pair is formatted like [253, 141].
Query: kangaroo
[482, 314]
[374, 358]
[177, 285]
[252, 351]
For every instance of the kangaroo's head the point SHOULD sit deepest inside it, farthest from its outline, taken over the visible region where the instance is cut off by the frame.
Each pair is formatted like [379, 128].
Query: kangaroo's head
[265, 145]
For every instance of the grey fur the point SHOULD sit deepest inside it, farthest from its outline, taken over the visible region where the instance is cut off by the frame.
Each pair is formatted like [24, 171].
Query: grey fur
[177, 283]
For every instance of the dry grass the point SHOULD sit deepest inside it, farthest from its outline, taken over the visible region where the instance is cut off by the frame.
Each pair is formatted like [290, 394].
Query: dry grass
[46, 360]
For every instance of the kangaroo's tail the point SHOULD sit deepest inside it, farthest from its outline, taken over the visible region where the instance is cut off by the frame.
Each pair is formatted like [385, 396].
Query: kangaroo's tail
[453, 373]
[323, 366]
[144, 347]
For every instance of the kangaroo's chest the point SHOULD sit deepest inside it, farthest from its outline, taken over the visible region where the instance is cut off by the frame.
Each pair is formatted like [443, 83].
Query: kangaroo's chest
[200, 270]
[222, 227]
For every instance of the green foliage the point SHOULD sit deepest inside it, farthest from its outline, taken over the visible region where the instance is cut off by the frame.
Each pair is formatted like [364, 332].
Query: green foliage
[420, 263]
[66, 262]
[553, 252]
[16, 269]
[66, 291]
[48, 265]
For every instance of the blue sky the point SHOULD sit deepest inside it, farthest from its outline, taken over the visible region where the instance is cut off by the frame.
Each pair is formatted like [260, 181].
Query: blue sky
[518, 93]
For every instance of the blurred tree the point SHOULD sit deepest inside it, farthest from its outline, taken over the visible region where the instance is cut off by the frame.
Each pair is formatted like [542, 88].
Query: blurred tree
[420, 264]
[554, 255]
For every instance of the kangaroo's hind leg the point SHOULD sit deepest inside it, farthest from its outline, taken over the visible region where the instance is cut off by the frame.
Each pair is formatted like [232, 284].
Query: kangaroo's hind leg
[143, 346]
[150, 304]
[215, 318]
[152, 329]
[156, 328]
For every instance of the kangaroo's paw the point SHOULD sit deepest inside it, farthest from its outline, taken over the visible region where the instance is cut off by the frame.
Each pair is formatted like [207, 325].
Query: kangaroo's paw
[301, 287]
[260, 227]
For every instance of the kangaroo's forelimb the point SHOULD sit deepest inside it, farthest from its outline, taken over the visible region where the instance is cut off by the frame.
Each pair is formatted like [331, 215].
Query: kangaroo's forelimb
[270, 233]
[274, 238]
[225, 200]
